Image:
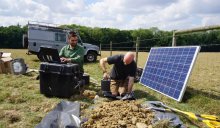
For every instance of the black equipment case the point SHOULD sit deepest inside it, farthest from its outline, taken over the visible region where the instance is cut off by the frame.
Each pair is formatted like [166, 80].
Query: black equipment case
[60, 80]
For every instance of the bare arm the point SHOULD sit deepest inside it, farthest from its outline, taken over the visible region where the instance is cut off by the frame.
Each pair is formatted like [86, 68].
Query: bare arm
[130, 83]
[103, 62]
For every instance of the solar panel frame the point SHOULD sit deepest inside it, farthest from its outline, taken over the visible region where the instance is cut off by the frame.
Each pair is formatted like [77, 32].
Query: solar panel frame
[156, 86]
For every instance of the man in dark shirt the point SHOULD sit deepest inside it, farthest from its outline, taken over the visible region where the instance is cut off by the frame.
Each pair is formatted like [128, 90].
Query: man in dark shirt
[122, 74]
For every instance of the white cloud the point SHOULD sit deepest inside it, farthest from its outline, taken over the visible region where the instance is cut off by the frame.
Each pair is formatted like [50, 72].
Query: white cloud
[64, 6]
[122, 14]
[211, 19]
[22, 11]
[5, 21]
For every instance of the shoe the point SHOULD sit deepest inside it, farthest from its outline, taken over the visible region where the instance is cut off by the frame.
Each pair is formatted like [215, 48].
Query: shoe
[118, 97]
[128, 96]
[109, 95]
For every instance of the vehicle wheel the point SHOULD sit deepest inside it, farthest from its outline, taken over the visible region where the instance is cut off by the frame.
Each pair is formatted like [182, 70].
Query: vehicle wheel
[25, 41]
[91, 57]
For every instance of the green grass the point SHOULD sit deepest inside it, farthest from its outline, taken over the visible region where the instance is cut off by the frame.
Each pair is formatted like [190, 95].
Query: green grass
[22, 105]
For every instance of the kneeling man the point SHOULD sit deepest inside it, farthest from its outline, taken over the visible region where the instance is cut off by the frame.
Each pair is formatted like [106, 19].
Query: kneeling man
[122, 74]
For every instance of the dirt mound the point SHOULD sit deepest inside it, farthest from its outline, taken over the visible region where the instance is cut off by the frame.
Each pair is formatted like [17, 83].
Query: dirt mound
[123, 114]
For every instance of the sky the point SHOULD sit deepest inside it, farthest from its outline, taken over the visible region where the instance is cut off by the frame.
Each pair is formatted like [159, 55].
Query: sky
[120, 14]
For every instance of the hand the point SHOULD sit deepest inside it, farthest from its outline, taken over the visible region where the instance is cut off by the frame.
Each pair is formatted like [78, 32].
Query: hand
[106, 76]
[63, 59]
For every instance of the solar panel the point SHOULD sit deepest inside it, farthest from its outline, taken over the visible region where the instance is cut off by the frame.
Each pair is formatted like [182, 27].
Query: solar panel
[168, 68]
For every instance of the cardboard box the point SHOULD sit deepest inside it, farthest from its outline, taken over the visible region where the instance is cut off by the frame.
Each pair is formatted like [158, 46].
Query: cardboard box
[5, 55]
[5, 65]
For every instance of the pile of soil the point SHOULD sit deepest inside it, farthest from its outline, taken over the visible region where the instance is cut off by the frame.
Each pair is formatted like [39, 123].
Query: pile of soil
[123, 114]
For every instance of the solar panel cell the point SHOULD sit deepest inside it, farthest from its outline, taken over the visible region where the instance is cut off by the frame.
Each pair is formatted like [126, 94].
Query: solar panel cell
[167, 69]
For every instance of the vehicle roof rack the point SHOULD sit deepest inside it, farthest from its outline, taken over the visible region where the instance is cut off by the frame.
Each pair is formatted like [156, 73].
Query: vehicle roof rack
[47, 25]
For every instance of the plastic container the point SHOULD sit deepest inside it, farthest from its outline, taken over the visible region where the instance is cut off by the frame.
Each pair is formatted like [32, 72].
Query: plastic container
[60, 80]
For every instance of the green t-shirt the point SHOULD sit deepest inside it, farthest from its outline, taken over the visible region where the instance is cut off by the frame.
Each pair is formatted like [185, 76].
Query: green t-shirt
[76, 54]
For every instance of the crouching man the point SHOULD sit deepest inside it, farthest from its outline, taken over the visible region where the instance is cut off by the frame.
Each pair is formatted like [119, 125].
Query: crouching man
[122, 74]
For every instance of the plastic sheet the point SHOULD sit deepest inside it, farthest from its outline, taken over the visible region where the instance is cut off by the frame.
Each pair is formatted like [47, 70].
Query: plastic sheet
[64, 115]
[174, 120]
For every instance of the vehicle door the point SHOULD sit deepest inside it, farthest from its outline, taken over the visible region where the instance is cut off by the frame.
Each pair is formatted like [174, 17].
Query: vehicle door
[37, 38]
[80, 42]
[60, 40]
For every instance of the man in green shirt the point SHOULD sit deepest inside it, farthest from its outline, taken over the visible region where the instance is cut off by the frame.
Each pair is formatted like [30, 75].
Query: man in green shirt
[72, 53]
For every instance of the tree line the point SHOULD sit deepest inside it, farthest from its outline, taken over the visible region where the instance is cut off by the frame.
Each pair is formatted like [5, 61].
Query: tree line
[11, 37]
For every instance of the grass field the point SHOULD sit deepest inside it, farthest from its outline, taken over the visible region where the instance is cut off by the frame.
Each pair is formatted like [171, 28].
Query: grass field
[22, 105]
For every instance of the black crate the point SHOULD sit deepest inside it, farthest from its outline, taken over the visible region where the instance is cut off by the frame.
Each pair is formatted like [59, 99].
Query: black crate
[60, 80]
[105, 85]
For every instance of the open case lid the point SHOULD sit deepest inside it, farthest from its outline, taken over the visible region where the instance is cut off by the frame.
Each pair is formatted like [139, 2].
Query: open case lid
[49, 55]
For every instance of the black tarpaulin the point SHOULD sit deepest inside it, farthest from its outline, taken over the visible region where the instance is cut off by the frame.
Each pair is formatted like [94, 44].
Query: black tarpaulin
[64, 115]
